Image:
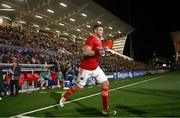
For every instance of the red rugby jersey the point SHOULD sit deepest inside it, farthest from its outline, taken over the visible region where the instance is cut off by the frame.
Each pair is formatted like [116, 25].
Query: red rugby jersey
[91, 62]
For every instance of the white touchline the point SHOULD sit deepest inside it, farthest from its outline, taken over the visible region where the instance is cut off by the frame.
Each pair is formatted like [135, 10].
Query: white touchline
[29, 112]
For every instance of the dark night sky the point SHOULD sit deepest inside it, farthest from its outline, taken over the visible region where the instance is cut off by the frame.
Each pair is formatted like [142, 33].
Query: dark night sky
[152, 20]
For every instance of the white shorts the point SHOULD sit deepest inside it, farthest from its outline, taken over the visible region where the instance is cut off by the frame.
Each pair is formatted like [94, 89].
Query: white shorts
[83, 76]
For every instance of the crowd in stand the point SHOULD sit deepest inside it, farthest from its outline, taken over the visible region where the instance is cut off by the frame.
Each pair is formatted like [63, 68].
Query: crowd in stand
[116, 63]
[39, 48]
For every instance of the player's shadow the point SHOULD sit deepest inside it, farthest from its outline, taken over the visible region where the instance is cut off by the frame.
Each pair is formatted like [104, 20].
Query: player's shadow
[152, 109]
[132, 110]
[88, 111]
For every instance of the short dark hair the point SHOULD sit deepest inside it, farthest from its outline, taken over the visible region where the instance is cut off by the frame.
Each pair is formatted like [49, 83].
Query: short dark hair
[96, 26]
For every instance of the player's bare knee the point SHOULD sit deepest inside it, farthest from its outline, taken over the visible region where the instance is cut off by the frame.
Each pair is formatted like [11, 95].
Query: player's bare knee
[105, 84]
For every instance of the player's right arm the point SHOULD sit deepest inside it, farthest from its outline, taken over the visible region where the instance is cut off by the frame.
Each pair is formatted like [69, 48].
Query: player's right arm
[87, 51]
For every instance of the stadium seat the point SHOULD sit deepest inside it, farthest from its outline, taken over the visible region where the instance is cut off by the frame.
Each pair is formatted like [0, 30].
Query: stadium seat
[29, 78]
[7, 79]
[36, 76]
[21, 79]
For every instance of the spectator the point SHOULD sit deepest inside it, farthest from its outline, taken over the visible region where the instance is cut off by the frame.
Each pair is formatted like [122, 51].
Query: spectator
[43, 81]
[60, 79]
[14, 72]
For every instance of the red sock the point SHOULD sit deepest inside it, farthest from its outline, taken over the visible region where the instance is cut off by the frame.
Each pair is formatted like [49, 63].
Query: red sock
[104, 94]
[69, 92]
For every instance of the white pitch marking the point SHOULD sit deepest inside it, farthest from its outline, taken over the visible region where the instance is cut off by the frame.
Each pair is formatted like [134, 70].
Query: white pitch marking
[29, 112]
